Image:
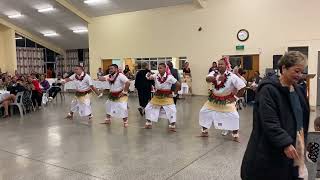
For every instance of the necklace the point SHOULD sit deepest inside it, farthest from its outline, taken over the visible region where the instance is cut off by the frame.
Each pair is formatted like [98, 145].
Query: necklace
[162, 80]
[224, 79]
[80, 78]
[111, 79]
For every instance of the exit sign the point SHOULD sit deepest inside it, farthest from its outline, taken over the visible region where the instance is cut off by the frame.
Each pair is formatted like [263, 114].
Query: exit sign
[240, 47]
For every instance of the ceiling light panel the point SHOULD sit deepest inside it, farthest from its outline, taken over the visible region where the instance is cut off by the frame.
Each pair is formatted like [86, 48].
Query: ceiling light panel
[47, 9]
[80, 30]
[50, 34]
[15, 16]
[95, 2]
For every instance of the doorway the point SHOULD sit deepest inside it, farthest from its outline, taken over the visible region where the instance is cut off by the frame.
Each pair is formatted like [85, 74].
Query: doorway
[249, 63]
[50, 69]
[131, 63]
[105, 65]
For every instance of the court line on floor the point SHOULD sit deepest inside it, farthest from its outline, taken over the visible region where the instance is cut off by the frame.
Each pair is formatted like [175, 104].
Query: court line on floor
[46, 163]
[198, 158]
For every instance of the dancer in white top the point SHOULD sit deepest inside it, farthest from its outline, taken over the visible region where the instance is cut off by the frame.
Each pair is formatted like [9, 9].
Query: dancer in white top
[117, 104]
[220, 109]
[84, 86]
[162, 104]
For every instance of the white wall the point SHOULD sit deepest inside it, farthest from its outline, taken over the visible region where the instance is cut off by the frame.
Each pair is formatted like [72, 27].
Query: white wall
[273, 26]
[8, 61]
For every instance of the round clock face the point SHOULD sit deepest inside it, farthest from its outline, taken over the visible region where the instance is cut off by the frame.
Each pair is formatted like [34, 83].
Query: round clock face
[243, 35]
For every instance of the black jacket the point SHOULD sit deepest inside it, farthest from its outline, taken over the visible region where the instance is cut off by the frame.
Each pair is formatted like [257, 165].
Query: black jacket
[175, 74]
[274, 128]
[14, 89]
[141, 82]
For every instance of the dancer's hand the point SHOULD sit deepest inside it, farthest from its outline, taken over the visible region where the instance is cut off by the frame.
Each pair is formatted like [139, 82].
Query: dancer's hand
[123, 94]
[100, 95]
[210, 78]
[102, 78]
[291, 152]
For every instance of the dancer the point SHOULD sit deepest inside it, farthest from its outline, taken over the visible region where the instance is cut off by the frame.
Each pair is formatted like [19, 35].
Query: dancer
[81, 103]
[117, 104]
[162, 104]
[220, 108]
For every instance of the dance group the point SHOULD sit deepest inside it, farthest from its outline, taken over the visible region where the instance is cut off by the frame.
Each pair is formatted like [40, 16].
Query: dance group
[220, 109]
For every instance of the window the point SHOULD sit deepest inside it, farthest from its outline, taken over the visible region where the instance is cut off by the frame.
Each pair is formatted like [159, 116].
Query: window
[235, 61]
[153, 62]
[182, 61]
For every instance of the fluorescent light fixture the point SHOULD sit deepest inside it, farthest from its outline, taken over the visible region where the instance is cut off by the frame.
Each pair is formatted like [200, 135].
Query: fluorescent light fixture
[93, 1]
[18, 38]
[50, 34]
[46, 9]
[15, 16]
[80, 30]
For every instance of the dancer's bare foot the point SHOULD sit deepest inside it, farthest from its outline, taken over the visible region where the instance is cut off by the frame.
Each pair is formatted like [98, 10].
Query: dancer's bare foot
[148, 125]
[107, 121]
[236, 137]
[204, 133]
[172, 128]
[125, 124]
[69, 116]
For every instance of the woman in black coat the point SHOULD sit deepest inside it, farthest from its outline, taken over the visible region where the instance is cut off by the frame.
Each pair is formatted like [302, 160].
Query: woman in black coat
[280, 124]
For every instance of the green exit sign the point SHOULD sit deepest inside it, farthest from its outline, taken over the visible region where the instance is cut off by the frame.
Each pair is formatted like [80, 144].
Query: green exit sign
[240, 47]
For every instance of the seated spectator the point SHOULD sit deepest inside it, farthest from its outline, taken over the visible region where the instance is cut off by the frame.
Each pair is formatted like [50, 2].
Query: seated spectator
[26, 98]
[55, 89]
[6, 80]
[5, 100]
[256, 79]
[44, 83]
[16, 86]
[241, 74]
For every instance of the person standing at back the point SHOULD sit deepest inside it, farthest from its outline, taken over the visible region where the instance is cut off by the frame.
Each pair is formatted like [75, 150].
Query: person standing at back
[34, 86]
[214, 67]
[100, 73]
[144, 87]
[187, 76]
[175, 74]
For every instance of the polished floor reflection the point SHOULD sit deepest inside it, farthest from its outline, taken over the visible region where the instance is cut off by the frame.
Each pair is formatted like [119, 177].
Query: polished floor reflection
[43, 145]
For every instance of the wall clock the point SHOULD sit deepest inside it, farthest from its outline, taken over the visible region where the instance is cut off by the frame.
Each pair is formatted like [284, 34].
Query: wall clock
[243, 35]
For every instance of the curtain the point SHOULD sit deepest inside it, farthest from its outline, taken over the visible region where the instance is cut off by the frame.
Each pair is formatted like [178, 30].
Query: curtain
[60, 67]
[72, 59]
[29, 60]
[86, 60]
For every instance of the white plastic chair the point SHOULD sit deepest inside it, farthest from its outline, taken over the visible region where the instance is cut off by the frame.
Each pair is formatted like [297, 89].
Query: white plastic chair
[62, 97]
[18, 103]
